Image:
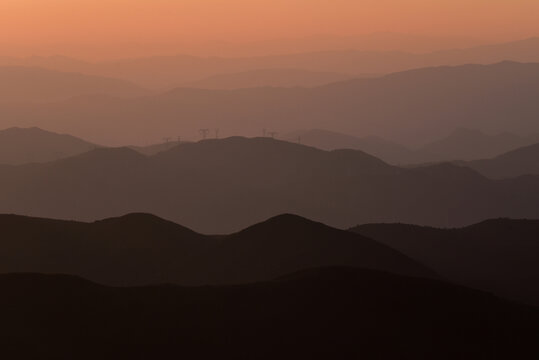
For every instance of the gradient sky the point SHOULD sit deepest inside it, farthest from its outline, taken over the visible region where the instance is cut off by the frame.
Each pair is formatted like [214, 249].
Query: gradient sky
[71, 26]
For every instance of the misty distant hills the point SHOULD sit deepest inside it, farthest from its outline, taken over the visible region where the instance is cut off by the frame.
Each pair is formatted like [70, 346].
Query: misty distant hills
[26, 145]
[269, 77]
[162, 72]
[378, 41]
[425, 104]
[330, 140]
[461, 144]
[467, 144]
[21, 146]
[319, 314]
[496, 255]
[141, 249]
[522, 161]
[526, 50]
[31, 84]
[222, 186]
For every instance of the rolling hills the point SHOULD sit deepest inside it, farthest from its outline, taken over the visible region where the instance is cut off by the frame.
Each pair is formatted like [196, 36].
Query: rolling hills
[20, 146]
[461, 144]
[269, 78]
[320, 314]
[425, 104]
[141, 249]
[33, 84]
[496, 255]
[519, 162]
[387, 151]
[467, 144]
[166, 72]
[222, 186]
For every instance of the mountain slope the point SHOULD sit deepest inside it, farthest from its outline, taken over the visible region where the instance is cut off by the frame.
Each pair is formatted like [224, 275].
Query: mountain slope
[287, 243]
[140, 249]
[165, 72]
[222, 186]
[522, 161]
[425, 103]
[30, 84]
[329, 140]
[495, 255]
[319, 314]
[467, 144]
[20, 146]
[269, 77]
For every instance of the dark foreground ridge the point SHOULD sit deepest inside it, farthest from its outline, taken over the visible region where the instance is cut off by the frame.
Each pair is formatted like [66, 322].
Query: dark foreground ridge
[320, 313]
[140, 249]
[498, 255]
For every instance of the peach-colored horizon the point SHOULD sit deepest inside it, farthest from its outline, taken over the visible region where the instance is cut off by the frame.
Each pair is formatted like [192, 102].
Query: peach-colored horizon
[108, 28]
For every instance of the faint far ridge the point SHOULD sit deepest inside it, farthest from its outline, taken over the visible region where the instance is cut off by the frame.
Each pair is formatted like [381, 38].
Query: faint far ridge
[33, 145]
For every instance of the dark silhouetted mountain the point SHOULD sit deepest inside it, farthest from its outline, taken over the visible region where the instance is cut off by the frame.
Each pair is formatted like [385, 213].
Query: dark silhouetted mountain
[425, 103]
[522, 161]
[287, 243]
[141, 249]
[20, 146]
[222, 186]
[269, 77]
[466, 144]
[30, 84]
[496, 255]
[315, 314]
[329, 140]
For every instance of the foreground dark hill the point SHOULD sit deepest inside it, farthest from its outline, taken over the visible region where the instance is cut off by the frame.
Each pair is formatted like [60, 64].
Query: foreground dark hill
[425, 104]
[29, 84]
[21, 146]
[495, 255]
[317, 314]
[522, 161]
[222, 186]
[141, 249]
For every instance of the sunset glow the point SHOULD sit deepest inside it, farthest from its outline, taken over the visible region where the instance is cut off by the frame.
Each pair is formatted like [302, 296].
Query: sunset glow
[106, 28]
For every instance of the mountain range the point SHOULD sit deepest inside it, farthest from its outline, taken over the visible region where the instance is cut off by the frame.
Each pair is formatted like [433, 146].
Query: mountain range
[141, 249]
[224, 185]
[166, 72]
[270, 78]
[20, 146]
[425, 104]
[497, 255]
[33, 84]
[319, 314]
[461, 144]
[385, 150]
[26, 145]
[469, 144]
[519, 162]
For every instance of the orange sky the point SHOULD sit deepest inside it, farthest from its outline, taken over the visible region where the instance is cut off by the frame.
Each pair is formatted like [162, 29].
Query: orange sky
[82, 26]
